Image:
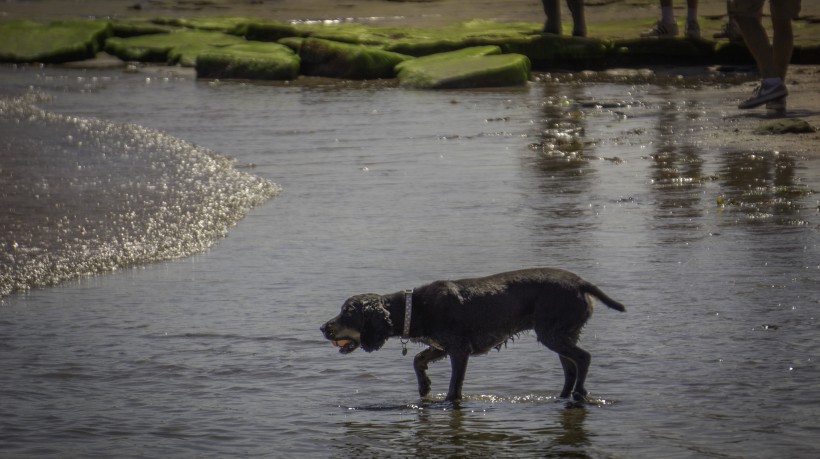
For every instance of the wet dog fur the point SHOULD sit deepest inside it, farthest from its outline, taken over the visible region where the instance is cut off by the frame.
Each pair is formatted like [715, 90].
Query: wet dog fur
[460, 318]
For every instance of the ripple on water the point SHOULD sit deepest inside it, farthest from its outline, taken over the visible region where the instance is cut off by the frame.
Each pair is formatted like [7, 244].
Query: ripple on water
[85, 196]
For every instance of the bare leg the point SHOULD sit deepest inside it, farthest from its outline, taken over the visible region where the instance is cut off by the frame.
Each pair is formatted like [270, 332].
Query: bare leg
[420, 365]
[758, 43]
[553, 11]
[782, 42]
[666, 11]
[579, 23]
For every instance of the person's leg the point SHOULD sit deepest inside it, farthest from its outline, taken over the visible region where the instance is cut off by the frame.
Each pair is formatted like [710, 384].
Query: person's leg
[748, 14]
[692, 27]
[729, 29]
[579, 24]
[666, 27]
[691, 9]
[783, 12]
[553, 11]
[667, 13]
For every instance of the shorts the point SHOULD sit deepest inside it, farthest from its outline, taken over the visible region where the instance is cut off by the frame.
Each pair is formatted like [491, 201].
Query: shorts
[754, 8]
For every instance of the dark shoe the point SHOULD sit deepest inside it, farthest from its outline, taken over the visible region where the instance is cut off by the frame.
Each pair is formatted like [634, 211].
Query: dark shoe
[552, 27]
[731, 31]
[763, 94]
[776, 107]
[692, 30]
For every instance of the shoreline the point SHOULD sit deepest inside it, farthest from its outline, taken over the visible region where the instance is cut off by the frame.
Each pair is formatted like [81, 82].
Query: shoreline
[736, 127]
[634, 16]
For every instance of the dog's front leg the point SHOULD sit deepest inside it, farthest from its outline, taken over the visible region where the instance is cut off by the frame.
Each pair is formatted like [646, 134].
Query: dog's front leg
[420, 362]
[458, 363]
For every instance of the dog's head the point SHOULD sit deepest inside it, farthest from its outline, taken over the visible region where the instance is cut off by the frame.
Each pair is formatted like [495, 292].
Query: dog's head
[364, 321]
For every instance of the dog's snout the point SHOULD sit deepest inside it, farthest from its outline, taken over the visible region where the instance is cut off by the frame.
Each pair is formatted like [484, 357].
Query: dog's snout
[326, 330]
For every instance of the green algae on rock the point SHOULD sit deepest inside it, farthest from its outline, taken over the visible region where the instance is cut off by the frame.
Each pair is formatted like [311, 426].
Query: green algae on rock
[355, 33]
[344, 60]
[785, 126]
[57, 42]
[474, 67]
[270, 30]
[448, 57]
[548, 51]
[232, 25]
[251, 61]
[178, 47]
[426, 41]
[678, 51]
[135, 27]
[294, 43]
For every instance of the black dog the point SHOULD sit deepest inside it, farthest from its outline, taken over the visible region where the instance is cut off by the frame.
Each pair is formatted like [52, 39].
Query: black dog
[472, 316]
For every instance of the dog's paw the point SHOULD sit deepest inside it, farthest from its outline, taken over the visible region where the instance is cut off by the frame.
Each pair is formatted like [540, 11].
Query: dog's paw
[581, 397]
[424, 390]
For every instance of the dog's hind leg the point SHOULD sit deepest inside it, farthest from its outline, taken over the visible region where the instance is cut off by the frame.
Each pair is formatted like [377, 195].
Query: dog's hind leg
[570, 375]
[575, 361]
[420, 362]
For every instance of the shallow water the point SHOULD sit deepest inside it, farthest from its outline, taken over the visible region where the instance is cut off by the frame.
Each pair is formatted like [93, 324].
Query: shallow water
[714, 251]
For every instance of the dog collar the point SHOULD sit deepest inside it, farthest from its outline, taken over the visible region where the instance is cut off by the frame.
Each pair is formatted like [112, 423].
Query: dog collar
[408, 310]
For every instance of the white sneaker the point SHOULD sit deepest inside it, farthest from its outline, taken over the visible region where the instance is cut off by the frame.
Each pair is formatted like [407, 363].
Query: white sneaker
[661, 30]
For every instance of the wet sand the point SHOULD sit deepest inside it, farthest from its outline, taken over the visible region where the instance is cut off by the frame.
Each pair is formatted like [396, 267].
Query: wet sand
[418, 12]
[737, 126]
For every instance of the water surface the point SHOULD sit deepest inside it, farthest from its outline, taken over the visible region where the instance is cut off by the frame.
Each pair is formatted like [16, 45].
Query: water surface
[713, 250]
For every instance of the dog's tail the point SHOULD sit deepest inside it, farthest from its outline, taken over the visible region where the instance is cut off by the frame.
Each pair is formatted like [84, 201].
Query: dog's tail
[597, 293]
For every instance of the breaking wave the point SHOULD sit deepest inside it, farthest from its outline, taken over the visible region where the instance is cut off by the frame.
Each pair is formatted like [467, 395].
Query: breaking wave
[82, 196]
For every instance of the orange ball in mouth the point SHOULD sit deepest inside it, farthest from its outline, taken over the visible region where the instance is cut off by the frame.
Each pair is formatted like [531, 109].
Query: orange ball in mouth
[341, 342]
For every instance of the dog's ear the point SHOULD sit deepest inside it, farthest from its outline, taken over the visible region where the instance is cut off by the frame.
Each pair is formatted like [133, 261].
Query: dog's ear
[377, 325]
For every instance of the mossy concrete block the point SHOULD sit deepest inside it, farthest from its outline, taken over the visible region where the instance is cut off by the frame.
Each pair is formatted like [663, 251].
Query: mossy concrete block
[548, 51]
[426, 46]
[249, 61]
[421, 41]
[271, 30]
[343, 60]
[733, 53]
[479, 32]
[678, 51]
[806, 55]
[232, 25]
[470, 71]
[63, 41]
[355, 33]
[177, 47]
[449, 56]
[135, 27]
[294, 43]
